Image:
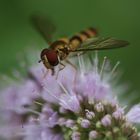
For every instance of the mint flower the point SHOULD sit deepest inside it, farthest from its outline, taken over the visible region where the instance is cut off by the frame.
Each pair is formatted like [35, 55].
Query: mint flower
[76, 105]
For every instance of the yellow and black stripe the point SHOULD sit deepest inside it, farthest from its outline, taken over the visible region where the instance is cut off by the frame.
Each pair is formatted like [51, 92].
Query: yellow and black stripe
[73, 43]
[76, 40]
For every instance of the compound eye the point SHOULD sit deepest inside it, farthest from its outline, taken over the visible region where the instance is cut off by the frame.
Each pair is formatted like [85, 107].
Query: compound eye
[51, 55]
[43, 53]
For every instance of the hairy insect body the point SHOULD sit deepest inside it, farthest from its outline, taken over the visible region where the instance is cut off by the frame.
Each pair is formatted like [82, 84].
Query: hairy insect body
[64, 46]
[60, 49]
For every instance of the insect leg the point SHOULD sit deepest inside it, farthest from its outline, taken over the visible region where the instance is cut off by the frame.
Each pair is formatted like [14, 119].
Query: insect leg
[75, 73]
[53, 71]
[78, 54]
[70, 63]
[61, 67]
[45, 73]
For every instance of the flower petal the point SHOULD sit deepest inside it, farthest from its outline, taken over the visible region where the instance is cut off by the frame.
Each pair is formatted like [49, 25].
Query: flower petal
[134, 114]
[70, 102]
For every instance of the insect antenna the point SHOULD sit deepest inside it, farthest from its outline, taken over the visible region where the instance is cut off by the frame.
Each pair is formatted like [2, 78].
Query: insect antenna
[39, 61]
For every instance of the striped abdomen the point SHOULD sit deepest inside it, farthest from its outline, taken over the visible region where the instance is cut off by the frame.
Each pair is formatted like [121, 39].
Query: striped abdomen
[61, 45]
[76, 40]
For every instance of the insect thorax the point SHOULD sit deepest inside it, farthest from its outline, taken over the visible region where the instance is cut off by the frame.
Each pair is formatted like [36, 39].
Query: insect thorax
[61, 47]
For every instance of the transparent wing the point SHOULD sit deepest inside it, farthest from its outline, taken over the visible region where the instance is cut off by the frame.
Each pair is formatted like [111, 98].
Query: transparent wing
[101, 44]
[44, 26]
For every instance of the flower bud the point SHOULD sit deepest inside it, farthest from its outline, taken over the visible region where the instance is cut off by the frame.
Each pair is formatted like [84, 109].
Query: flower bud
[70, 123]
[116, 130]
[61, 121]
[90, 115]
[118, 114]
[62, 110]
[134, 137]
[85, 123]
[127, 129]
[109, 134]
[98, 124]
[106, 120]
[76, 136]
[93, 134]
[99, 107]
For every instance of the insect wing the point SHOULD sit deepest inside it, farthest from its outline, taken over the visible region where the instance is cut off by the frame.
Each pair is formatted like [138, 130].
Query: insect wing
[90, 41]
[102, 44]
[44, 26]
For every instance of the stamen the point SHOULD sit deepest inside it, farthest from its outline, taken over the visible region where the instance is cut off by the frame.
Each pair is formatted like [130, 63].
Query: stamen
[8, 79]
[96, 62]
[115, 67]
[45, 73]
[86, 110]
[63, 88]
[103, 65]
[81, 64]
[79, 61]
[49, 92]
[38, 103]
[16, 74]
[124, 107]
[23, 132]
[33, 111]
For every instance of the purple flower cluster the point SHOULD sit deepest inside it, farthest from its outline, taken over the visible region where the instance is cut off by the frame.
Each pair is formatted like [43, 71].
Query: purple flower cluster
[77, 104]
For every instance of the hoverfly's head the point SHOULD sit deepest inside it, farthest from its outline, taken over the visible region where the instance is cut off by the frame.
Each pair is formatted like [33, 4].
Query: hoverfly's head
[49, 57]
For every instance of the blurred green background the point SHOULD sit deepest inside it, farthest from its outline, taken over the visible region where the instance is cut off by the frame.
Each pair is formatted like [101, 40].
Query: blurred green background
[117, 18]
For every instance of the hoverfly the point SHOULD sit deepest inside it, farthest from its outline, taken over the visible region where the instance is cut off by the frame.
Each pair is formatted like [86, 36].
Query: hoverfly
[60, 49]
